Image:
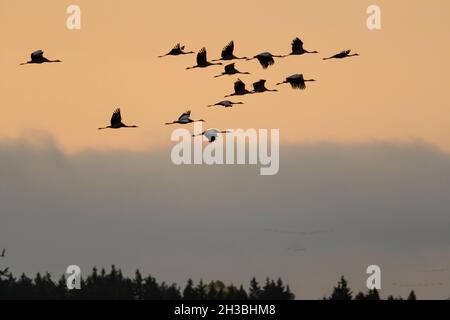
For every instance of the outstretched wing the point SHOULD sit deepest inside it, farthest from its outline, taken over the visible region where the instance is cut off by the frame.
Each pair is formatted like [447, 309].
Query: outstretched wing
[185, 115]
[116, 117]
[297, 45]
[229, 68]
[201, 57]
[259, 86]
[36, 55]
[228, 50]
[239, 86]
[297, 81]
[265, 60]
[344, 53]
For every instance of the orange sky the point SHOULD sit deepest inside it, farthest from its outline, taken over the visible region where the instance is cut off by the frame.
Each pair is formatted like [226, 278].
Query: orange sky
[396, 90]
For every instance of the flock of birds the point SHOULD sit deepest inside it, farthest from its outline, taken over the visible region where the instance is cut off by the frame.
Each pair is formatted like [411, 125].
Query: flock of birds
[265, 59]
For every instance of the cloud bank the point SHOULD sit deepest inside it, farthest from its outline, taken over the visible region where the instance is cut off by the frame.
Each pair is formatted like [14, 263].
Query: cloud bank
[333, 209]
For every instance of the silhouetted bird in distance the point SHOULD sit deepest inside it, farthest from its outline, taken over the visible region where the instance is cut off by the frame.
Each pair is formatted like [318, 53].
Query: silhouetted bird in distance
[228, 53]
[297, 81]
[176, 51]
[185, 118]
[297, 48]
[116, 121]
[202, 61]
[211, 134]
[265, 59]
[239, 89]
[37, 57]
[225, 104]
[342, 55]
[260, 87]
[230, 70]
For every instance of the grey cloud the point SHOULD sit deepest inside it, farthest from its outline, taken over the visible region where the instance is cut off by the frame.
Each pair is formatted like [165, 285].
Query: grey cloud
[346, 206]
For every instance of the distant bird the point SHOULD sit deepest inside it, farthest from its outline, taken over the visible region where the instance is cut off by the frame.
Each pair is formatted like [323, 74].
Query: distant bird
[202, 61]
[265, 59]
[239, 89]
[297, 48]
[185, 118]
[225, 104]
[230, 70]
[342, 55]
[228, 53]
[176, 51]
[211, 134]
[260, 86]
[116, 121]
[297, 81]
[3, 253]
[37, 57]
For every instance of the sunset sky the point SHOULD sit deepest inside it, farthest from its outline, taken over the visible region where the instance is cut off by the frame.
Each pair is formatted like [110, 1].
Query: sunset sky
[364, 149]
[396, 90]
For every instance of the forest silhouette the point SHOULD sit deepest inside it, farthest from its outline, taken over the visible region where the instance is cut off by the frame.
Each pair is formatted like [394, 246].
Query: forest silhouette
[113, 285]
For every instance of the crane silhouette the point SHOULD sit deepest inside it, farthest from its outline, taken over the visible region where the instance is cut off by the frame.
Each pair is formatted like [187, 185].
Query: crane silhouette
[265, 59]
[239, 89]
[37, 57]
[202, 61]
[176, 51]
[225, 104]
[297, 81]
[342, 55]
[260, 87]
[211, 134]
[116, 121]
[297, 48]
[230, 69]
[185, 118]
[228, 53]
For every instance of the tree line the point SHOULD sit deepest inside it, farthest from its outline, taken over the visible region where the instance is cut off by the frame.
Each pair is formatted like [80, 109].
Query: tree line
[113, 285]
